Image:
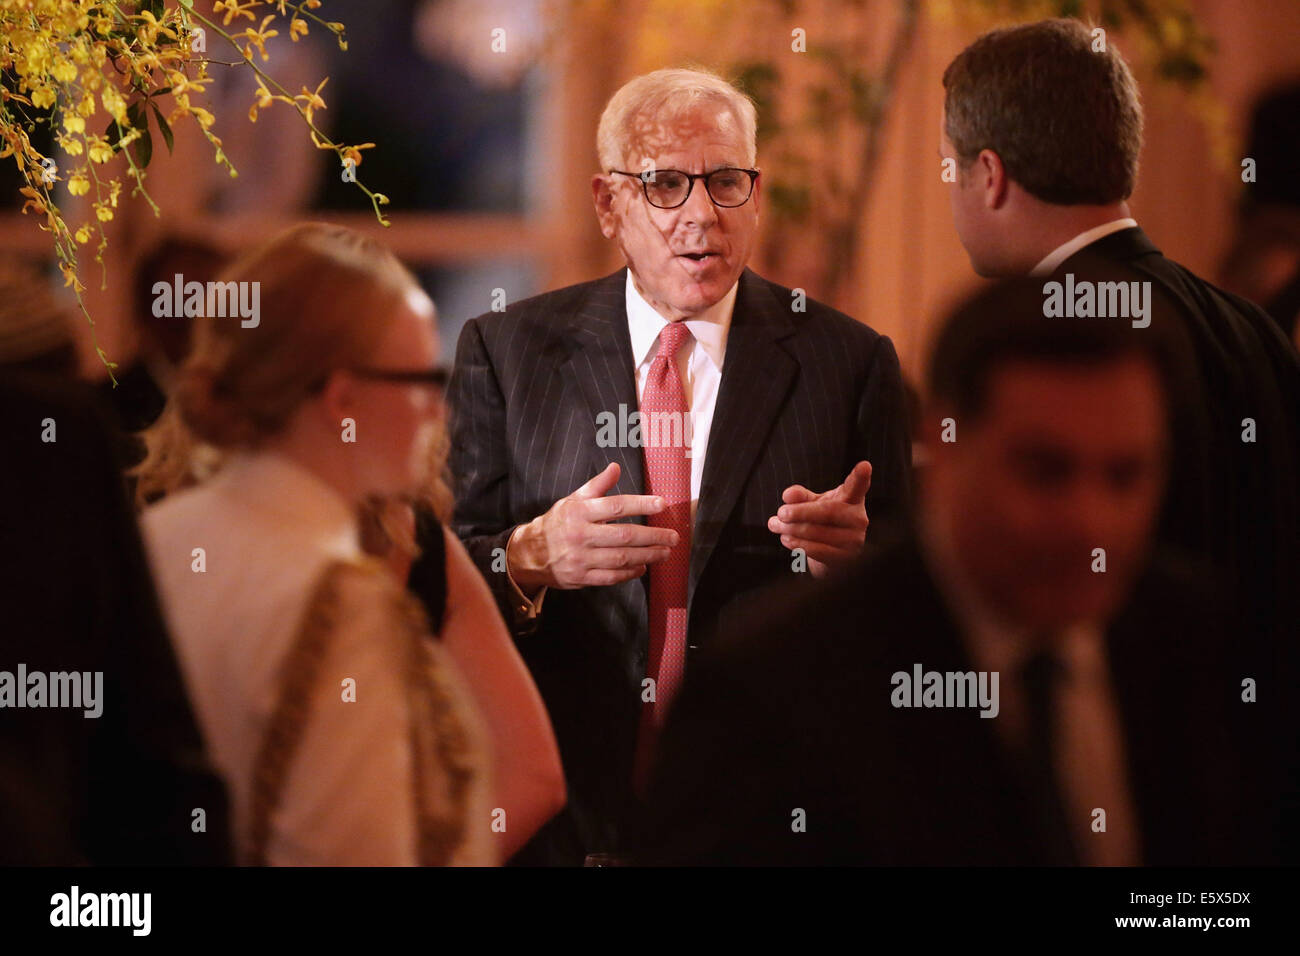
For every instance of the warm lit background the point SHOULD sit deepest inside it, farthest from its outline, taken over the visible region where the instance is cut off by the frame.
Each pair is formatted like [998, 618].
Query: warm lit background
[487, 155]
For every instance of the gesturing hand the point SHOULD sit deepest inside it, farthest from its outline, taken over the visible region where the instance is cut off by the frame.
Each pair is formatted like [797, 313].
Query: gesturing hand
[572, 545]
[831, 527]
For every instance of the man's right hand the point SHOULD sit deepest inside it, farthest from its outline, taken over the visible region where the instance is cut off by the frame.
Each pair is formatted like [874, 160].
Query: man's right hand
[572, 545]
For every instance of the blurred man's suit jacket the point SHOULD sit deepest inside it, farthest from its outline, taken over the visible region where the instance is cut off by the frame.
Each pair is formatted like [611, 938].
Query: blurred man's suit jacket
[1238, 504]
[804, 396]
[794, 711]
[1233, 501]
[120, 788]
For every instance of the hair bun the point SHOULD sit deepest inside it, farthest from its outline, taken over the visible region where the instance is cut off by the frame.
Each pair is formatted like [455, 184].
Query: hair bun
[213, 417]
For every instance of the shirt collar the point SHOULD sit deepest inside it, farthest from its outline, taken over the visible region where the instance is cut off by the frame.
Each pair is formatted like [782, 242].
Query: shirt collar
[709, 328]
[1067, 249]
[292, 497]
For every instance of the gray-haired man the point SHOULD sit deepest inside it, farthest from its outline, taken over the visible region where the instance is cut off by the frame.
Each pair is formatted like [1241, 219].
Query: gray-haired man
[635, 457]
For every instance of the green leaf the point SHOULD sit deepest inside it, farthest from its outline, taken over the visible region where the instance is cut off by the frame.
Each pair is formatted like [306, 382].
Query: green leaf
[162, 127]
[143, 149]
[113, 133]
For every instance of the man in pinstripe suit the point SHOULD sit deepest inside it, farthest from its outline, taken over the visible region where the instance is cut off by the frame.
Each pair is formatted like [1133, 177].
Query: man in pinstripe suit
[795, 432]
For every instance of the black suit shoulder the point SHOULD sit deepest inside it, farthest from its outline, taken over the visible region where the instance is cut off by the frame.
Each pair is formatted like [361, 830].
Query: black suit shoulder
[1193, 294]
[546, 313]
[527, 338]
[835, 339]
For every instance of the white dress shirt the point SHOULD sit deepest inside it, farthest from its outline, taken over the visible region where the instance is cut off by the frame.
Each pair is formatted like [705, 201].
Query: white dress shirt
[1091, 766]
[699, 367]
[1067, 249]
[700, 370]
[268, 528]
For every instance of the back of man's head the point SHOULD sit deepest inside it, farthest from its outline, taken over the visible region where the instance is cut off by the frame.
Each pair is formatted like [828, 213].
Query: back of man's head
[1058, 105]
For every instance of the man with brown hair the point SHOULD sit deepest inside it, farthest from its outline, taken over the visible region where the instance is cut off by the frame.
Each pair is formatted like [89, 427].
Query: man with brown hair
[1056, 127]
[1044, 123]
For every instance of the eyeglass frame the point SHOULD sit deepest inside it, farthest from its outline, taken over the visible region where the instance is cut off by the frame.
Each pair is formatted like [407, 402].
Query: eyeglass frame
[436, 377]
[432, 376]
[690, 188]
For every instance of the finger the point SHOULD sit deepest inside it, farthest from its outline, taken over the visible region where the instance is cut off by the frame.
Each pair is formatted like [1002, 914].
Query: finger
[825, 511]
[824, 534]
[623, 506]
[818, 551]
[600, 485]
[854, 489]
[605, 578]
[618, 558]
[628, 536]
[797, 493]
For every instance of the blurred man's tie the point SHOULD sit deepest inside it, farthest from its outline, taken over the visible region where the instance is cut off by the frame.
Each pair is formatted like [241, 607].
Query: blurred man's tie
[1040, 680]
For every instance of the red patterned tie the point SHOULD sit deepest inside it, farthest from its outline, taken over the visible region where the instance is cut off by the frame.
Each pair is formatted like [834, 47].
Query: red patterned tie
[668, 474]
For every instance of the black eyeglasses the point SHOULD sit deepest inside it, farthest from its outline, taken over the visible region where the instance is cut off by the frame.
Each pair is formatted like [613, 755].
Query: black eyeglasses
[435, 377]
[669, 188]
[431, 376]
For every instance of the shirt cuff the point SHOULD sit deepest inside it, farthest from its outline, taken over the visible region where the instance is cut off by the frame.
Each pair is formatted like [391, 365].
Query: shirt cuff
[525, 610]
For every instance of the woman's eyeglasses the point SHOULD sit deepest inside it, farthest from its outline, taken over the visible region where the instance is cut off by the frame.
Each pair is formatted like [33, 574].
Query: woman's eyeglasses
[432, 376]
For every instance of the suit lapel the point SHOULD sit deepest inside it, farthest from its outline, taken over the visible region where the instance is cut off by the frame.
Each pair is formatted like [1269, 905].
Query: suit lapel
[756, 376]
[600, 369]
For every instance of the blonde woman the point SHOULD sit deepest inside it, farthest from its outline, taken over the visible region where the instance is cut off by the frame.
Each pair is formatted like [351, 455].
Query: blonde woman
[344, 734]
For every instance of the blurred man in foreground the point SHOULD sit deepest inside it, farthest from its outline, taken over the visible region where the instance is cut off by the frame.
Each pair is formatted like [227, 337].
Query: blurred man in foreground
[1022, 683]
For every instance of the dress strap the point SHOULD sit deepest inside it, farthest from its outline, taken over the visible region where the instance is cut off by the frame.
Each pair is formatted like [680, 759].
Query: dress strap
[443, 767]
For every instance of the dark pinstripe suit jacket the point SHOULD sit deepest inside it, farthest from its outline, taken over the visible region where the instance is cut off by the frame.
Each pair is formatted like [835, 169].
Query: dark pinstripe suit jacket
[804, 396]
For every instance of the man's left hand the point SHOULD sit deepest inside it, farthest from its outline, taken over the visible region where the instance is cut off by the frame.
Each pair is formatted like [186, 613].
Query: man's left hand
[830, 527]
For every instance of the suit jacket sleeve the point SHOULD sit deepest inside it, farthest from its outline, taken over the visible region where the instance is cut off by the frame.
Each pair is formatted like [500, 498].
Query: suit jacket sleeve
[885, 442]
[480, 468]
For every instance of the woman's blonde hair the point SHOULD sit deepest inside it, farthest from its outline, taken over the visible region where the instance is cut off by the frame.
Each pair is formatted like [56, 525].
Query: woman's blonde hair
[326, 295]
